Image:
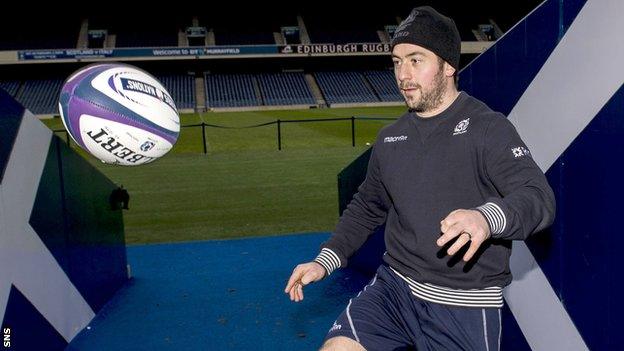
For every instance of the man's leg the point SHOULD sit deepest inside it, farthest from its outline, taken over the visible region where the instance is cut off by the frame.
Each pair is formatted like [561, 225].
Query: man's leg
[375, 319]
[341, 343]
[459, 328]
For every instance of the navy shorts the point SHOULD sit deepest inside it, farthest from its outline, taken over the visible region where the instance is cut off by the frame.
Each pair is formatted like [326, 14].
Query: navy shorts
[385, 315]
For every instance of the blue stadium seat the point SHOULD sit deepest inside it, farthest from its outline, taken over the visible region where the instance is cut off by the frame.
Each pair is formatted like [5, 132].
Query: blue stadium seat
[344, 87]
[384, 84]
[40, 96]
[288, 88]
[10, 86]
[230, 90]
[182, 89]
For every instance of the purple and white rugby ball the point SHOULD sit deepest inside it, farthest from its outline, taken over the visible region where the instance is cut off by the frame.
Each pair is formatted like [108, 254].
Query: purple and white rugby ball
[119, 114]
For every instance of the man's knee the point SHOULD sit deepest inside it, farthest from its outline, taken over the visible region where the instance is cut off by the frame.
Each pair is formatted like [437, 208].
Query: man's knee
[341, 343]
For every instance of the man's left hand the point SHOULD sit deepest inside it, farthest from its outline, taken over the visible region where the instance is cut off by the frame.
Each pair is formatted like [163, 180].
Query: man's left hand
[468, 226]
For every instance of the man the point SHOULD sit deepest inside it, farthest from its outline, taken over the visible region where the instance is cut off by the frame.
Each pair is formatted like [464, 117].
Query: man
[452, 180]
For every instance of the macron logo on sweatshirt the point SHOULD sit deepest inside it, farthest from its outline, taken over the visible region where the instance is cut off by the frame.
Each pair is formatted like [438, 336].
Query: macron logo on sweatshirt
[394, 139]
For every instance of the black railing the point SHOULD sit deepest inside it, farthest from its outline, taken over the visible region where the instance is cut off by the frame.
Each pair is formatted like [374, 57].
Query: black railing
[277, 122]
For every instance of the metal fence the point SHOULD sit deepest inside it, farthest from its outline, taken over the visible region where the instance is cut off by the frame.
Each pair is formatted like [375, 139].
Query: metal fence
[278, 124]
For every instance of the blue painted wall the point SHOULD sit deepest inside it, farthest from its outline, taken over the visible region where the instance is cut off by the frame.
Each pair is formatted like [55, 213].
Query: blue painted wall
[72, 216]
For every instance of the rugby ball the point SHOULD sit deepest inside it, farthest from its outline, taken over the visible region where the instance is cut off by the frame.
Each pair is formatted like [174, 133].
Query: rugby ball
[119, 113]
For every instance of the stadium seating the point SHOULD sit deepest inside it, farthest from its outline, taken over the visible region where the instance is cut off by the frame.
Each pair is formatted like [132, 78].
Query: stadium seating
[246, 27]
[147, 39]
[230, 90]
[344, 36]
[42, 33]
[335, 28]
[181, 88]
[11, 86]
[288, 88]
[40, 96]
[345, 87]
[384, 84]
[239, 90]
[152, 36]
[156, 30]
[226, 37]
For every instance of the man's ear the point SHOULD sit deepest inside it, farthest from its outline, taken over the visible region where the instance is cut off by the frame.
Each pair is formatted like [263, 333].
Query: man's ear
[449, 71]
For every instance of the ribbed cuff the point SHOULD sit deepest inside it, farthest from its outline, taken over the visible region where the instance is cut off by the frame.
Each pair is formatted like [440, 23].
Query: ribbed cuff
[328, 259]
[494, 216]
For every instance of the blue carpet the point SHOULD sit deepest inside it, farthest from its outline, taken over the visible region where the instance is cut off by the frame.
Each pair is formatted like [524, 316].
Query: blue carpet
[220, 295]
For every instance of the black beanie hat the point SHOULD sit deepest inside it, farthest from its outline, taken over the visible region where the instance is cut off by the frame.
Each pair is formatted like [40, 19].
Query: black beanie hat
[427, 28]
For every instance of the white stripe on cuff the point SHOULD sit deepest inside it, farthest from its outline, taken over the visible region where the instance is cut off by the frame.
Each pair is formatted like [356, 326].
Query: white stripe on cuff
[495, 217]
[328, 259]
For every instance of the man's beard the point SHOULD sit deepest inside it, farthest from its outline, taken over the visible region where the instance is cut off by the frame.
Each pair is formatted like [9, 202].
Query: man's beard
[429, 100]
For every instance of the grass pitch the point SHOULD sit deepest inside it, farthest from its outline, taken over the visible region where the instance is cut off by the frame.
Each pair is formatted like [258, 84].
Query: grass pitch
[244, 186]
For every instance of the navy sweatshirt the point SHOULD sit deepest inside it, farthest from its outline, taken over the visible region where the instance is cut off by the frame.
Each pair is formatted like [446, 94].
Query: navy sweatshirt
[472, 158]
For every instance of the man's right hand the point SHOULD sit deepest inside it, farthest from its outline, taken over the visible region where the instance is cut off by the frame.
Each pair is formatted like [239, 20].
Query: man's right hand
[303, 274]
